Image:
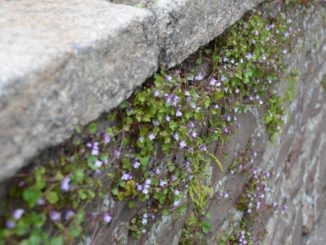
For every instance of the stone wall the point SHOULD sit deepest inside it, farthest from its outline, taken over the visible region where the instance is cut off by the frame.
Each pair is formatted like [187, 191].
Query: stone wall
[296, 161]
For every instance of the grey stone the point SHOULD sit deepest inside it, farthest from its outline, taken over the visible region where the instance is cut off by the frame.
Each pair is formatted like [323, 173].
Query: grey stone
[62, 63]
[185, 25]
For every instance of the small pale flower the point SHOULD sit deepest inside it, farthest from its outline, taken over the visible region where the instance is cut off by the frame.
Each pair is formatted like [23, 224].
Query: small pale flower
[69, 214]
[176, 136]
[176, 192]
[212, 82]
[194, 134]
[168, 78]
[151, 136]
[162, 183]
[65, 184]
[55, 216]
[18, 213]
[249, 56]
[182, 144]
[178, 113]
[176, 203]
[167, 118]
[40, 202]
[126, 176]
[156, 93]
[199, 76]
[107, 218]
[106, 138]
[136, 164]
[10, 224]
[98, 163]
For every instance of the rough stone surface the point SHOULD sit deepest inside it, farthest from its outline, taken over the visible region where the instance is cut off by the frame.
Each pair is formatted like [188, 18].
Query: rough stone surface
[185, 25]
[62, 63]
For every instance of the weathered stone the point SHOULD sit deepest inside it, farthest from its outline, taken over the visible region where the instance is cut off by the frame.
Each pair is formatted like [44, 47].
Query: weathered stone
[185, 25]
[62, 63]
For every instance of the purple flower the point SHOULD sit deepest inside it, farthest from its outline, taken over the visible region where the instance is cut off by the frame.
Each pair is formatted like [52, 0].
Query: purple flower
[145, 191]
[178, 113]
[237, 90]
[176, 203]
[126, 176]
[187, 93]
[139, 187]
[94, 148]
[106, 138]
[216, 106]
[182, 144]
[212, 82]
[18, 213]
[156, 93]
[194, 134]
[199, 76]
[98, 163]
[151, 136]
[226, 195]
[55, 216]
[249, 56]
[10, 224]
[148, 182]
[203, 148]
[69, 214]
[176, 192]
[144, 220]
[40, 202]
[116, 153]
[176, 136]
[136, 164]
[107, 218]
[65, 184]
[168, 78]
[162, 183]
[167, 118]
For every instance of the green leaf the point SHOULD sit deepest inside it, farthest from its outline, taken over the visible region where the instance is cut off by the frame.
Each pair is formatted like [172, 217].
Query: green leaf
[92, 128]
[82, 194]
[218, 163]
[52, 197]
[56, 240]
[131, 204]
[31, 196]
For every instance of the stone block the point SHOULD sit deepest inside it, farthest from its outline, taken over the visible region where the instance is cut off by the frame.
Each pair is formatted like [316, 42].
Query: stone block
[63, 63]
[185, 25]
